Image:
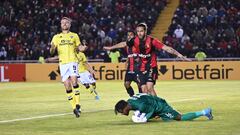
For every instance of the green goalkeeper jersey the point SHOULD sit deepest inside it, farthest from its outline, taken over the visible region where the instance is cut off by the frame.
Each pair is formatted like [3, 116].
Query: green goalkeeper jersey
[151, 105]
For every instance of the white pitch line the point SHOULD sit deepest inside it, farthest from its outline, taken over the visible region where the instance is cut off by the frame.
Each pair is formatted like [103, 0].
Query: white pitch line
[63, 114]
[36, 117]
[44, 116]
[187, 99]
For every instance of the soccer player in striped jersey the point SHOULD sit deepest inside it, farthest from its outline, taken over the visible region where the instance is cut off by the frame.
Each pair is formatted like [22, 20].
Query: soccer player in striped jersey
[146, 47]
[67, 44]
[132, 64]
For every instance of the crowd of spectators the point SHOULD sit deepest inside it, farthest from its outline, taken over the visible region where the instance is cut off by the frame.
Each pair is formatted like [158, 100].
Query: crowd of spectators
[27, 26]
[211, 26]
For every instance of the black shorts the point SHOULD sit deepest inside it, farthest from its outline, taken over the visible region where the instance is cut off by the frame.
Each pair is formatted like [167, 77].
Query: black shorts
[131, 76]
[150, 75]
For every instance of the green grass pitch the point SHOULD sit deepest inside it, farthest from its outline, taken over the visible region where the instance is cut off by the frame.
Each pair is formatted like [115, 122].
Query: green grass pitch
[42, 109]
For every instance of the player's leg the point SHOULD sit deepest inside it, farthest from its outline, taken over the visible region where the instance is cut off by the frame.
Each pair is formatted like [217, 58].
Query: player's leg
[73, 68]
[71, 97]
[143, 81]
[128, 87]
[127, 84]
[76, 89]
[65, 74]
[70, 94]
[150, 88]
[137, 81]
[139, 88]
[193, 115]
[169, 113]
[90, 83]
[173, 114]
[151, 80]
[94, 91]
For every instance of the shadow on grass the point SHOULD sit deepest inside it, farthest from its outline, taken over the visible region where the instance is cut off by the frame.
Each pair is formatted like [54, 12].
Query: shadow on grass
[129, 122]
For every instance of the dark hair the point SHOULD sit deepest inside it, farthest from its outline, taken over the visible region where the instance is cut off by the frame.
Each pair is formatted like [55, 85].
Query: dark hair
[144, 25]
[114, 50]
[120, 106]
[131, 31]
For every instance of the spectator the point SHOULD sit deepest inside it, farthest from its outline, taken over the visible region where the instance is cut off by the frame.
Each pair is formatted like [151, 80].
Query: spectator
[3, 54]
[114, 55]
[211, 25]
[178, 32]
[102, 21]
[200, 56]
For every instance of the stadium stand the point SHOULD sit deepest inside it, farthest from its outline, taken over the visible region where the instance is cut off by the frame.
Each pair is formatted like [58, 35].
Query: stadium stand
[212, 26]
[28, 26]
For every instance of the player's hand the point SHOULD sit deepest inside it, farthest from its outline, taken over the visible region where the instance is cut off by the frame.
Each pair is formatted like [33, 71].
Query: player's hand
[139, 117]
[136, 119]
[46, 60]
[93, 72]
[156, 117]
[82, 48]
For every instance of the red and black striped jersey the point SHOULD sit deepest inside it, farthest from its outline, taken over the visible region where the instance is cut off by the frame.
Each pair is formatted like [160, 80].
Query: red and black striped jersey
[133, 60]
[146, 50]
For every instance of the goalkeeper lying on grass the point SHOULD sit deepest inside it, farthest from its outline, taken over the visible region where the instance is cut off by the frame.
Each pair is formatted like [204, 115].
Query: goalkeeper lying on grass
[148, 106]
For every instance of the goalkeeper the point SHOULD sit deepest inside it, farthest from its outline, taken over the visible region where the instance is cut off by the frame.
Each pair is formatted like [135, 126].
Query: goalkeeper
[147, 106]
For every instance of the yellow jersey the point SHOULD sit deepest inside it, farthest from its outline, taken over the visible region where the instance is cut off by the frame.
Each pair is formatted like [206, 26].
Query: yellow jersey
[66, 45]
[81, 60]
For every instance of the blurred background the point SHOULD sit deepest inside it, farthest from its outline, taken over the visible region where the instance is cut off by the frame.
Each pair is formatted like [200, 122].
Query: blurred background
[211, 27]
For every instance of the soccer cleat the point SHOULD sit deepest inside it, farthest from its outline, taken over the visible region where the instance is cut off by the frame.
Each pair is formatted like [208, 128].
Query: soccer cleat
[95, 93]
[97, 97]
[78, 107]
[208, 113]
[77, 111]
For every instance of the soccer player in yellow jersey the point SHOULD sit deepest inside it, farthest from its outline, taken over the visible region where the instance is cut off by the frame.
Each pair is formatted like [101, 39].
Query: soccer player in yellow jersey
[67, 44]
[86, 74]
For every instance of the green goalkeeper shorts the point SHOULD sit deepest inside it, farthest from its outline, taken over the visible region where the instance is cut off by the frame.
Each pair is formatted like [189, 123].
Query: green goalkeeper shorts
[169, 113]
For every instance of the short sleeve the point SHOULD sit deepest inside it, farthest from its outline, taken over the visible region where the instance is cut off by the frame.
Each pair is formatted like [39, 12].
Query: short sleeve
[118, 54]
[54, 40]
[84, 57]
[77, 40]
[157, 44]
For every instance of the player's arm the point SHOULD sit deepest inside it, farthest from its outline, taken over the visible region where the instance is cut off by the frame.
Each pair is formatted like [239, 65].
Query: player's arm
[53, 45]
[117, 46]
[52, 59]
[159, 45]
[82, 48]
[52, 49]
[89, 67]
[174, 52]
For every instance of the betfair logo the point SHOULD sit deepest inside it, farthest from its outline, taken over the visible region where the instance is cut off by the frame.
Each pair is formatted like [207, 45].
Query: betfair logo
[201, 72]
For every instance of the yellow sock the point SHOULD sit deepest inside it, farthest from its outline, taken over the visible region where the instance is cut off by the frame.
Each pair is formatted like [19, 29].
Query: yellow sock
[93, 90]
[71, 98]
[77, 94]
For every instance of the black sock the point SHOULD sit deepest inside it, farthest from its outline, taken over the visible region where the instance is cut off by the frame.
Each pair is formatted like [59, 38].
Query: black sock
[130, 91]
[139, 89]
[76, 86]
